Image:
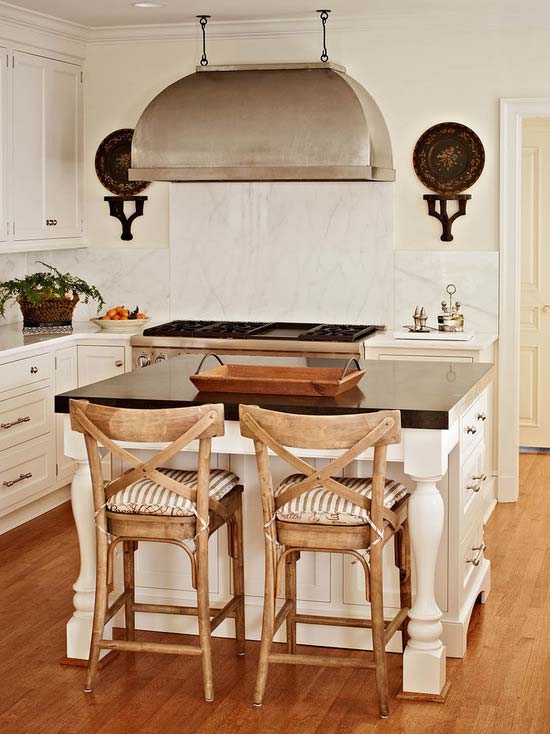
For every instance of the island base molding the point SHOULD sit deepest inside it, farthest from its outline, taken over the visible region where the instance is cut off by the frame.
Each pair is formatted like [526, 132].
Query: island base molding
[427, 697]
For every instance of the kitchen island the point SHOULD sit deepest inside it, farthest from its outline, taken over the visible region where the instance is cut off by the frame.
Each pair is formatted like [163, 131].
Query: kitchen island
[440, 459]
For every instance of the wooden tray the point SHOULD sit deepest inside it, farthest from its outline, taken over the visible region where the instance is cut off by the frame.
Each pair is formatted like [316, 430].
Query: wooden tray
[275, 380]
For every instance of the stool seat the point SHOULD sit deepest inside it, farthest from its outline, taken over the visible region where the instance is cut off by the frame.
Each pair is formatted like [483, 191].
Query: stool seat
[320, 506]
[146, 497]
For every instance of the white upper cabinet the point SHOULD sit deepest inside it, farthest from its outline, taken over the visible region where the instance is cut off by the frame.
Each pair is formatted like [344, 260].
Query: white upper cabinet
[47, 143]
[4, 61]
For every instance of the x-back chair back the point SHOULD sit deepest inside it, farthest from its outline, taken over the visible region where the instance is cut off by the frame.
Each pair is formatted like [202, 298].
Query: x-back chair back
[106, 426]
[353, 434]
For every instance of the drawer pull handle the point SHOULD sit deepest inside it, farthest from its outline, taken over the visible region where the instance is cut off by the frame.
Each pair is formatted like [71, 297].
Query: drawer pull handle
[480, 478]
[119, 363]
[476, 560]
[481, 417]
[34, 370]
[28, 475]
[471, 429]
[5, 426]
[474, 487]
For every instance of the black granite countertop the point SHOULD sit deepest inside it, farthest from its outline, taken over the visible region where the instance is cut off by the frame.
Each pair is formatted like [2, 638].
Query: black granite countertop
[429, 395]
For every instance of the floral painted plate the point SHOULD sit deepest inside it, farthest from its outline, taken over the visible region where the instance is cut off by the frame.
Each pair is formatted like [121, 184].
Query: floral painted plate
[112, 161]
[448, 158]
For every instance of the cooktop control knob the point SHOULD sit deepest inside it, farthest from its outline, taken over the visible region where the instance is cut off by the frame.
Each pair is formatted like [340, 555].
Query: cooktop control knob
[143, 360]
[160, 358]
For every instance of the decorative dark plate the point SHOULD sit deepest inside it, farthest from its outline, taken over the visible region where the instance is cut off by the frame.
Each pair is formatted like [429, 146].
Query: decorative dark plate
[448, 158]
[112, 161]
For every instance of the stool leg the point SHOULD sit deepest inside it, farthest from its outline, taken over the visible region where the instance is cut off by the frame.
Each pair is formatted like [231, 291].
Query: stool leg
[377, 612]
[238, 575]
[405, 590]
[290, 593]
[203, 605]
[100, 609]
[268, 624]
[129, 583]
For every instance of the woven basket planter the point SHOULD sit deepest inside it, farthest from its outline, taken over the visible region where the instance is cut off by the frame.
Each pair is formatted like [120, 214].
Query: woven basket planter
[55, 313]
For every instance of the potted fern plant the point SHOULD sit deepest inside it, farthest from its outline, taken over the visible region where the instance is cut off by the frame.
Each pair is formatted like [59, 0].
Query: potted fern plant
[47, 299]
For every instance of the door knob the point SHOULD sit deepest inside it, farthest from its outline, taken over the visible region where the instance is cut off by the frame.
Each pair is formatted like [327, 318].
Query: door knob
[546, 308]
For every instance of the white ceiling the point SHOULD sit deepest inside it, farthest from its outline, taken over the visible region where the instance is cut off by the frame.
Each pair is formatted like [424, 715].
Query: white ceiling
[121, 12]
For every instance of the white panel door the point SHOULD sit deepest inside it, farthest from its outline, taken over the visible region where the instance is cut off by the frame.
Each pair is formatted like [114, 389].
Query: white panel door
[29, 151]
[4, 144]
[66, 378]
[535, 285]
[62, 147]
[46, 148]
[96, 363]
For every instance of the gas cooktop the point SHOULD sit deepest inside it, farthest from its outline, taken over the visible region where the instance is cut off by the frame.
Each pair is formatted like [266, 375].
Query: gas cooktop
[262, 330]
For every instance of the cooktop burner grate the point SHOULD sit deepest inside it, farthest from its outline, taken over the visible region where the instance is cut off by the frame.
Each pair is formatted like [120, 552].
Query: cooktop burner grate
[337, 332]
[261, 330]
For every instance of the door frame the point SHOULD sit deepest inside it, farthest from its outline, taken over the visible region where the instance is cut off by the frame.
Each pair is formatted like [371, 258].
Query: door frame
[512, 113]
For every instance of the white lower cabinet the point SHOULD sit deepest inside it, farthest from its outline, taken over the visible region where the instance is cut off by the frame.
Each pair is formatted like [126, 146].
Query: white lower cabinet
[96, 363]
[26, 471]
[34, 471]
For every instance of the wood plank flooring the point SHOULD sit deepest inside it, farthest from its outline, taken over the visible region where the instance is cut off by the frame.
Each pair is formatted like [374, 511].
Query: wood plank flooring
[501, 686]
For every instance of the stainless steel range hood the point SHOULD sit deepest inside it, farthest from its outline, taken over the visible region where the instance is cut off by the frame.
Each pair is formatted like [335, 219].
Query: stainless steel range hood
[275, 122]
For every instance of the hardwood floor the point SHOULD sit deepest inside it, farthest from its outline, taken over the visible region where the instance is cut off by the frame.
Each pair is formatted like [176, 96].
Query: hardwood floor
[501, 686]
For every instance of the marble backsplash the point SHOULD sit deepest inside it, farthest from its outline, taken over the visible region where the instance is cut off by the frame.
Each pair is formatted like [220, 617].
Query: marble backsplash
[124, 276]
[12, 266]
[170, 285]
[420, 278]
[282, 251]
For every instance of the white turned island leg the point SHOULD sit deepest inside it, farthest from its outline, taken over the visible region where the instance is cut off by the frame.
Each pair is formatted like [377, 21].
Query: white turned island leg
[79, 626]
[424, 660]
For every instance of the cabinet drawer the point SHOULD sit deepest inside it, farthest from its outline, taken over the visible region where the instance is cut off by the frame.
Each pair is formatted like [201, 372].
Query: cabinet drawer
[471, 555]
[424, 358]
[25, 417]
[26, 470]
[472, 424]
[472, 481]
[27, 371]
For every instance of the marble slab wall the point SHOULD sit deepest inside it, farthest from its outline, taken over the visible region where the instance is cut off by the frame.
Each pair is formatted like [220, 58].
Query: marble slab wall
[124, 275]
[422, 276]
[284, 251]
[12, 266]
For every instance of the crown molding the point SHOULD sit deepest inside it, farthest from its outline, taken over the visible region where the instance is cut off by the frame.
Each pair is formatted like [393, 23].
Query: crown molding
[19, 17]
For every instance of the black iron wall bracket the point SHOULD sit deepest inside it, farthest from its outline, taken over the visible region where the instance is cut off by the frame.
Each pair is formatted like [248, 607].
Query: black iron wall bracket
[442, 215]
[116, 209]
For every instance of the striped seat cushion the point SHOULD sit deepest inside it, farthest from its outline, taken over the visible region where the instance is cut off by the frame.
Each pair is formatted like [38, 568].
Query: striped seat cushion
[146, 497]
[320, 506]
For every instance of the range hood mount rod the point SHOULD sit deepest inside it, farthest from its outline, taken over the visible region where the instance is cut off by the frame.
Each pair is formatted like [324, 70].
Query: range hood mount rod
[323, 14]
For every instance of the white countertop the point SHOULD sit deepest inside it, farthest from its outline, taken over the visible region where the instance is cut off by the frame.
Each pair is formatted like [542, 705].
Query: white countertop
[13, 342]
[386, 339]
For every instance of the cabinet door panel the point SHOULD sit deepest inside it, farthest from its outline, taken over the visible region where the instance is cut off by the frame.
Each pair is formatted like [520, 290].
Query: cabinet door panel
[29, 94]
[96, 363]
[46, 148]
[62, 172]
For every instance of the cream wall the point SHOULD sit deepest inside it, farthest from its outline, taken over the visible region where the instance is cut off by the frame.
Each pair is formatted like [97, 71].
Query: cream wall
[419, 75]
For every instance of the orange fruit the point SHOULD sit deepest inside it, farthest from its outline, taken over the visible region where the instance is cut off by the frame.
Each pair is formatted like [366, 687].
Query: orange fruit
[141, 316]
[123, 318]
[112, 312]
[106, 317]
[116, 317]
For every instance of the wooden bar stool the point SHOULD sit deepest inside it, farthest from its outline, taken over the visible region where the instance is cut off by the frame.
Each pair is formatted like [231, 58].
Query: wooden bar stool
[314, 511]
[151, 503]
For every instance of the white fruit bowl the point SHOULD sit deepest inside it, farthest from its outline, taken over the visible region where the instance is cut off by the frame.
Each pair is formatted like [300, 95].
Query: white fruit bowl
[121, 327]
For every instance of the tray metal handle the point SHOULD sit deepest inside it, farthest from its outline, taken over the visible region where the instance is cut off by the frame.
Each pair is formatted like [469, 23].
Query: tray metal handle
[346, 367]
[203, 360]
